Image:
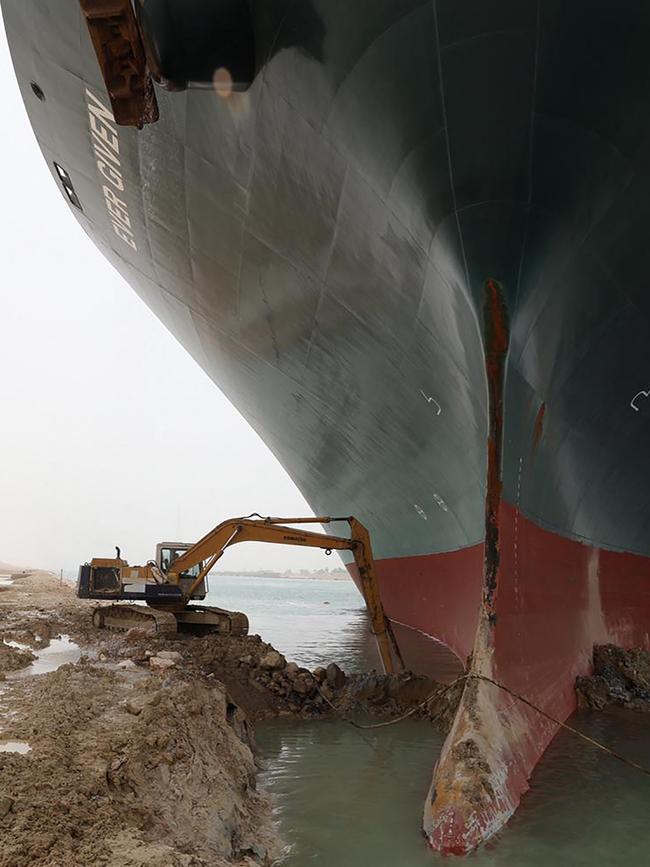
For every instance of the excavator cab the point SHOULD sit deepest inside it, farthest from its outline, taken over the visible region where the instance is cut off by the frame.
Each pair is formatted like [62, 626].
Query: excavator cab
[167, 607]
[167, 553]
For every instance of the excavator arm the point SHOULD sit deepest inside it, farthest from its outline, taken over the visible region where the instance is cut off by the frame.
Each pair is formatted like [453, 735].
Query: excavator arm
[275, 531]
[169, 590]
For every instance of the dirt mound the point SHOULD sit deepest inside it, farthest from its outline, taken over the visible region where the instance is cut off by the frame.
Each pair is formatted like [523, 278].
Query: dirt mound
[264, 684]
[32, 631]
[12, 658]
[621, 677]
[34, 591]
[394, 695]
[256, 676]
[128, 768]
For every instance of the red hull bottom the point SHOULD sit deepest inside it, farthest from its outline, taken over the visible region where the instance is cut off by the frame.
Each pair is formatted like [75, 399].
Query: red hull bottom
[555, 599]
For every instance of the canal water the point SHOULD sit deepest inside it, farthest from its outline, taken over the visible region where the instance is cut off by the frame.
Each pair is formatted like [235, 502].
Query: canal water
[346, 798]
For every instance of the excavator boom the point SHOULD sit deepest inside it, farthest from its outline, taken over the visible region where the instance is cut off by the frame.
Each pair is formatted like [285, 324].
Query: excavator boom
[276, 531]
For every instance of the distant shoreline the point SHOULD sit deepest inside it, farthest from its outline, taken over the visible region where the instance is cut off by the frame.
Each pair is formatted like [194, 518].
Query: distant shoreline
[305, 574]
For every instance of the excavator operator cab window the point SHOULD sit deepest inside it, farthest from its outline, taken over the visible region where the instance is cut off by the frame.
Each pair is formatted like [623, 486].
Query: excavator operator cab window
[167, 557]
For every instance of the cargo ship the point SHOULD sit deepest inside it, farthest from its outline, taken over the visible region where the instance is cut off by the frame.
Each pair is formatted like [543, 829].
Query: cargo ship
[407, 241]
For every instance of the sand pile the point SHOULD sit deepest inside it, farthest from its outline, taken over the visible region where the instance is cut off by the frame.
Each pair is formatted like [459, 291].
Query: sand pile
[128, 768]
[131, 763]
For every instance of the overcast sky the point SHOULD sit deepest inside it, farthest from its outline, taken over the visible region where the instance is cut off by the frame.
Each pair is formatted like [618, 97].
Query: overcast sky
[87, 458]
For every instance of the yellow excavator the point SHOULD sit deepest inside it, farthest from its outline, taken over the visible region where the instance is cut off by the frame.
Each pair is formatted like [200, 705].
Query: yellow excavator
[178, 577]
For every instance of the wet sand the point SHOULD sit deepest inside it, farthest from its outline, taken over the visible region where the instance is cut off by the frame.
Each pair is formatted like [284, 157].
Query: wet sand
[107, 762]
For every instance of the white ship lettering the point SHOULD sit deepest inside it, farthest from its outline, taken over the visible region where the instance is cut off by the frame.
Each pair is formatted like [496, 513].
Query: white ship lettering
[106, 145]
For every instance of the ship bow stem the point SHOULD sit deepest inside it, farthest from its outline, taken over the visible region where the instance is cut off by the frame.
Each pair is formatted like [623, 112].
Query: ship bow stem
[478, 782]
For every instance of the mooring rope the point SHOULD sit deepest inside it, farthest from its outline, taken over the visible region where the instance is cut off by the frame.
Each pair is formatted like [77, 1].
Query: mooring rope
[439, 691]
[566, 726]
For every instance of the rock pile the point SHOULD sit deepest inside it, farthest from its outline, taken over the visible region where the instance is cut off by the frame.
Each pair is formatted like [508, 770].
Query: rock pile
[621, 677]
[394, 695]
[283, 687]
[329, 690]
[263, 683]
[259, 677]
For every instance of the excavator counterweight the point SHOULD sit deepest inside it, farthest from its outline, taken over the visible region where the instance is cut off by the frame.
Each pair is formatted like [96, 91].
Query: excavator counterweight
[178, 577]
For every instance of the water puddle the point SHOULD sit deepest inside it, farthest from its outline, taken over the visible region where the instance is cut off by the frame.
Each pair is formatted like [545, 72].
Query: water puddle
[21, 747]
[59, 652]
[5, 581]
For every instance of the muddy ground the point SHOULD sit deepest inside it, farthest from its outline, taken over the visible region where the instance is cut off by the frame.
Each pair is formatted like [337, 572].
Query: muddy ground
[142, 751]
[129, 765]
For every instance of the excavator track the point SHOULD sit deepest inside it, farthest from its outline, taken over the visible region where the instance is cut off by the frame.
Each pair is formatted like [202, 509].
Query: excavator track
[123, 617]
[198, 619]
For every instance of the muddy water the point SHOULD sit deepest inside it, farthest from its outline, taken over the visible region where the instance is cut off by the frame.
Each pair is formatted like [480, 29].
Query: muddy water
[57, 653]
[308, 621]
[351, 799]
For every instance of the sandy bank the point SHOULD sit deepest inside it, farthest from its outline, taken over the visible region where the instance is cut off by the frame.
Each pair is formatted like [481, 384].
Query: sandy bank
[33, 589]
[129, 766]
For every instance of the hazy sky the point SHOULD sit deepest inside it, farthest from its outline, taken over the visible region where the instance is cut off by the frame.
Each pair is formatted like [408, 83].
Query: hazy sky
[88, 457]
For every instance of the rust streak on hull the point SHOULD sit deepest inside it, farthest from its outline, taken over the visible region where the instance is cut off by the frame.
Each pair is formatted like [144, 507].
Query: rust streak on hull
[496, 349]
[115, 36]
[469, 796]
